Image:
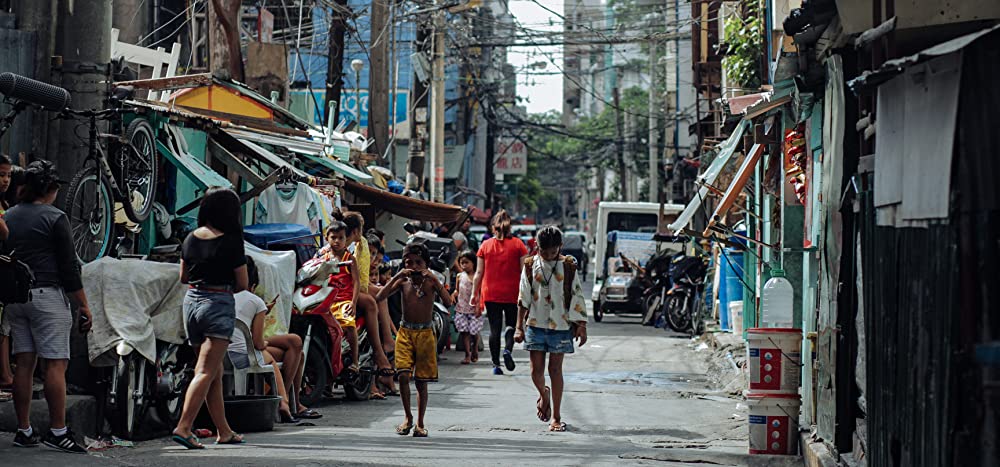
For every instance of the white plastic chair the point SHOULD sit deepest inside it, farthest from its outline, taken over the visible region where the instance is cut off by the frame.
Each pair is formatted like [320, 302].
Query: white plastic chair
[256, 369]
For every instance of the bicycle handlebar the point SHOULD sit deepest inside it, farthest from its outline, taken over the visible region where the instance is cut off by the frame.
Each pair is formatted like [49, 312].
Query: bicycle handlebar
[35, 92]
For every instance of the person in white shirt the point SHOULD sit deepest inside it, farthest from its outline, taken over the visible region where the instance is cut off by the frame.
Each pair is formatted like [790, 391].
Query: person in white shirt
[286, 348]
[551, 303]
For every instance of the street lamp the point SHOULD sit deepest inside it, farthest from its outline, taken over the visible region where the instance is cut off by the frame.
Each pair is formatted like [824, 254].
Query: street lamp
[357, 65]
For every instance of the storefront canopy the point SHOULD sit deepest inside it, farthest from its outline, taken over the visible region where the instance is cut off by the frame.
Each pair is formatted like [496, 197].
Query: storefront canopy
[707, 179]
[406, 207]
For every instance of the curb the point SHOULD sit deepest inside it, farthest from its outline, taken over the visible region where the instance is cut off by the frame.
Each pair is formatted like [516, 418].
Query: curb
[81, 415]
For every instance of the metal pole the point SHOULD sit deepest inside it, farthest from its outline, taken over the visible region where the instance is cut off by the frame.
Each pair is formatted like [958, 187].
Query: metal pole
[357, 98]
[437, 111]
[654, 170]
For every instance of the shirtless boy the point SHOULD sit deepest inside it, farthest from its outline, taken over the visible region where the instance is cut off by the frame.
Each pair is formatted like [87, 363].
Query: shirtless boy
[416, 348]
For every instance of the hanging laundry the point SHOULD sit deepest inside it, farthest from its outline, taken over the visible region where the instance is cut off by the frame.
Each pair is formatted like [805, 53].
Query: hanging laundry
[295, 204]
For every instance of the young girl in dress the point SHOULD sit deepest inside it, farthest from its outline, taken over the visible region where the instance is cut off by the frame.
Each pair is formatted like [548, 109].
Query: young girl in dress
[468, 316]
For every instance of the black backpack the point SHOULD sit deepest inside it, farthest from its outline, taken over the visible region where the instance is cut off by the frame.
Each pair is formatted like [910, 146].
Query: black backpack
[17, 279]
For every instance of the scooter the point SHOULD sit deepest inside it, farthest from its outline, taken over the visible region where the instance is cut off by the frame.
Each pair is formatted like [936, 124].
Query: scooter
[683, 305]
[320, 332]
[136, 383]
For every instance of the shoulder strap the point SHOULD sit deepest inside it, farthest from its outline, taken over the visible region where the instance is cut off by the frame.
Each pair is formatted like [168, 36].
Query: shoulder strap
[529, 262]
[569, 268]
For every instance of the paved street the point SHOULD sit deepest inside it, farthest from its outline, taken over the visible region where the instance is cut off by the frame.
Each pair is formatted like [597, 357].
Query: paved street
[633, 396]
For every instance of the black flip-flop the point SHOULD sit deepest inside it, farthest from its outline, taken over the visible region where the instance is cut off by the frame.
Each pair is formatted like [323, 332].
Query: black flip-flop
[236, 438]
[309, 414]
[188, 442]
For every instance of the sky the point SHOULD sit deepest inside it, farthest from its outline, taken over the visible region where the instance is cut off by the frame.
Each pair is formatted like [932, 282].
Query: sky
[544, 92]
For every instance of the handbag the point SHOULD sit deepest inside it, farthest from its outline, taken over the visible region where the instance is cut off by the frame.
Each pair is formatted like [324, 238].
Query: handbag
[17, 278]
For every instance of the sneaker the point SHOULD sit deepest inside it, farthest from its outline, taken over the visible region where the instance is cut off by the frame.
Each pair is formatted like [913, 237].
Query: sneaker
[22, 440]
[64, 443]
[508, 360]
[508, 357]
[497, 371]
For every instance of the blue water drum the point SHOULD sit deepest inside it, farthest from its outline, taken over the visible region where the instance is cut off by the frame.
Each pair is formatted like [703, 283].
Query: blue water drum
[730, 287]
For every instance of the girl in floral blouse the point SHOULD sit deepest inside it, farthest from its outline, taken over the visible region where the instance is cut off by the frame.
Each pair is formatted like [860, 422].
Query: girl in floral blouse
[551, 302]
[468, 316]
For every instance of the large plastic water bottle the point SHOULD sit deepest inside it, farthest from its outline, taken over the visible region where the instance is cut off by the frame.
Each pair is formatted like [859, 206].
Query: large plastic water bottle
[776, 302]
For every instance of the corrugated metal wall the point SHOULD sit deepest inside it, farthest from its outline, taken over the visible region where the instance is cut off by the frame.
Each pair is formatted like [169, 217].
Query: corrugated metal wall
[17, 49]
[930, 298]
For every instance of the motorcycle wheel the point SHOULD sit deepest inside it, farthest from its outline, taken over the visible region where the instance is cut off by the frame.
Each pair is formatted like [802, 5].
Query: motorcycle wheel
[315, 377]
[598, 312]
[441, 327]
[677, 316]
[130, 396]
[174, 380]
[359, 387]
[651, 306]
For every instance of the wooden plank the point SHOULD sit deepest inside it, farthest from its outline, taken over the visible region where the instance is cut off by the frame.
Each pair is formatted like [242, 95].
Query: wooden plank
[233, 162]
[739, 182]
[173, 82]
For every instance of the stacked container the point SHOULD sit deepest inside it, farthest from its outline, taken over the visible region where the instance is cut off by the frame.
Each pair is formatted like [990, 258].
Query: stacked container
[775, 361]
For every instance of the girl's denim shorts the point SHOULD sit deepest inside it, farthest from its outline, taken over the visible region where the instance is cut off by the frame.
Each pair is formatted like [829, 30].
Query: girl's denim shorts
[208, 314]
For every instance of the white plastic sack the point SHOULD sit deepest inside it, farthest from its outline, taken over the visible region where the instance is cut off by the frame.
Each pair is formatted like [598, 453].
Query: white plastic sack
[135, 301]
[277, 278]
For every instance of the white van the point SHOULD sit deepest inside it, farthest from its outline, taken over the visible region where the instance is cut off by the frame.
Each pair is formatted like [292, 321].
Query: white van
[624, 217]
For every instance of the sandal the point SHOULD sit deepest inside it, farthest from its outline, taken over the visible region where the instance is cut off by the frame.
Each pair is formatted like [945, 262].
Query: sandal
[466, 361]
[236, 438]
[386, 372]
[287, 417]
[404, 428]
[419, 432]
[557, 426]
[191, 442]
[393, 393]
[376, 396]
[475, 357]
[544, 410]
[309, 414]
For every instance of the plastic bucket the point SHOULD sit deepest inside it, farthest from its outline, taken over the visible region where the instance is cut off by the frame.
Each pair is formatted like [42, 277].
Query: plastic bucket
[775, 356]
[774, 423]
[736, 316]
[730, 287]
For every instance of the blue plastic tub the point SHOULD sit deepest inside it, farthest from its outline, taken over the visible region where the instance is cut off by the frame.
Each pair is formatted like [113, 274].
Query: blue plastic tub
[730, 286]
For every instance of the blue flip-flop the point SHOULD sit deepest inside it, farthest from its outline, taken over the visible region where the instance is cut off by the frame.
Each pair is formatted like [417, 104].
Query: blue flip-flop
[188, 442]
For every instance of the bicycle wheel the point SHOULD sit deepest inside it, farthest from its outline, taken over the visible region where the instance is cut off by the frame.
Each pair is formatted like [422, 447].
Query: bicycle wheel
[135, 170]
[91, 214]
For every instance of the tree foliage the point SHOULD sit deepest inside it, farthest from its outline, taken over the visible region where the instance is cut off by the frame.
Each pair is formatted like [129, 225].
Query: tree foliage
[744, 45]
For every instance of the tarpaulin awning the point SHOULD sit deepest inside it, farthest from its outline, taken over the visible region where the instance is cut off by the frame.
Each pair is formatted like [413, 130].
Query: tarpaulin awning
[726, 151]
[404, 206]
[340, 167]
[736, 187]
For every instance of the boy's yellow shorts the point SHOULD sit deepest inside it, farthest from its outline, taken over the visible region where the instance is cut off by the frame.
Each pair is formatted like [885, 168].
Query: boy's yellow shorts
[416, 353]
[345, 320]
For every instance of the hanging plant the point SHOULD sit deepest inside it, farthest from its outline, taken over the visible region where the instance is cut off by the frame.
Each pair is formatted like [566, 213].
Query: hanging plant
[744, 40]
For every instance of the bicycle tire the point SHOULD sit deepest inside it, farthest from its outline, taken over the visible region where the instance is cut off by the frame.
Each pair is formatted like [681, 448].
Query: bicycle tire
[140, 150]
[91, 218]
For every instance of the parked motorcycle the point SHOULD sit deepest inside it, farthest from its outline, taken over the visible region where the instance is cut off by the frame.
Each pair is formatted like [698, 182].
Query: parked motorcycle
[658, 277]
[320, 332]
[682, 305]
[135, 384]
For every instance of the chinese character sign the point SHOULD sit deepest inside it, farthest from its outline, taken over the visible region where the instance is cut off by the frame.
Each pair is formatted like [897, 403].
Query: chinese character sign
[511, 157]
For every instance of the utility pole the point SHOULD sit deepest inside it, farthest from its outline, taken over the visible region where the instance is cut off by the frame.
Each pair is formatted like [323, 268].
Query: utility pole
[85, 51]
[224, 38]
[654, 169]
[437, 110]
[418, 117]
[620, 148]
[378, 78]
[335, 63]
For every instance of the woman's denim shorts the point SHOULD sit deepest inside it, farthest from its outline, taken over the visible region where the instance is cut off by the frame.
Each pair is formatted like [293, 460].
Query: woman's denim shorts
[208, 314]
[548, 340]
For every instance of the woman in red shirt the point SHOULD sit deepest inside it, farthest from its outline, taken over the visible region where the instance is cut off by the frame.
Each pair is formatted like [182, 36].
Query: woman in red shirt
[498, 276]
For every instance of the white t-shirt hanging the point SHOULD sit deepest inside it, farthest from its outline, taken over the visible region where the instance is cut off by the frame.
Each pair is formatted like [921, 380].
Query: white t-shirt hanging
[300, 205]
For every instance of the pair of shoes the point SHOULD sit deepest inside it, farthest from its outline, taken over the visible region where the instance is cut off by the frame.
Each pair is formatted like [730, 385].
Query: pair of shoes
[65, 443]
[24, 441]
[497, 371]
[508, 358]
